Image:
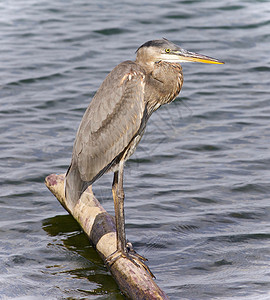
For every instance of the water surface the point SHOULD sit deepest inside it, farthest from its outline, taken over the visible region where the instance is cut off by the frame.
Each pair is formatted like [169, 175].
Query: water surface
[197, 188]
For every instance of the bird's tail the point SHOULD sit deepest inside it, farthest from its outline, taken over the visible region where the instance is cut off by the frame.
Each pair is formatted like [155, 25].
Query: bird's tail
[74, 185]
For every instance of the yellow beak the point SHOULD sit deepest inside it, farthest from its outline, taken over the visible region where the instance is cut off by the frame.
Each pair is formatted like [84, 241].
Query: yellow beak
[182, 55]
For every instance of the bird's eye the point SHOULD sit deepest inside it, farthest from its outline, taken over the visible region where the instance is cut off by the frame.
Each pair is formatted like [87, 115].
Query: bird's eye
[167, 50]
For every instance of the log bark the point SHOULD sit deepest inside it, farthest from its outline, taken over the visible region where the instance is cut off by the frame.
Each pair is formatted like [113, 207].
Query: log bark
[134, 281]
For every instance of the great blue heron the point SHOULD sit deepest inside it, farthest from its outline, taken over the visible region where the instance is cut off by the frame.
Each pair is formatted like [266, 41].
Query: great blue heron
[115, 120]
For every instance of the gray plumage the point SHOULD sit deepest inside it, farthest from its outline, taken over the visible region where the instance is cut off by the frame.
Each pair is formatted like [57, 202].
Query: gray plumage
[115, 120]
[117, 115]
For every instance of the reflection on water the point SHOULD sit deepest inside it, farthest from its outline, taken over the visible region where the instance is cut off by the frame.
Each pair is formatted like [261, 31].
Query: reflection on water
[87, 266]
[197, 200]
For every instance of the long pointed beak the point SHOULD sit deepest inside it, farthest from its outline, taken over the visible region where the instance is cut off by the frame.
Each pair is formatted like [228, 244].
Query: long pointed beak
[185, 55]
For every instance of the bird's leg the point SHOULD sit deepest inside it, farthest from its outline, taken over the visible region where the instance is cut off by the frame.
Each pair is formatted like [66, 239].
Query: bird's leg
[124, 249]
[118, 198]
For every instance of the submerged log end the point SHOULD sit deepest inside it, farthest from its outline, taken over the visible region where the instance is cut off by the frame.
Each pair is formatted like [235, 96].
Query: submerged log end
[135, 281]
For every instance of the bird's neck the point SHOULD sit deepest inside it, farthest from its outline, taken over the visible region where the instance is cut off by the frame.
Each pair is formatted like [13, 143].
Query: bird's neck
[148, 66]
[165, 81]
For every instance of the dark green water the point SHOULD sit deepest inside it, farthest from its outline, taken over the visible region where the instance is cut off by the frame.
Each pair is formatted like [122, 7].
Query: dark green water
[197, 188]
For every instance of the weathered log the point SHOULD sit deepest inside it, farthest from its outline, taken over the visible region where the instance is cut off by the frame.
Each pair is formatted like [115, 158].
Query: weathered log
[134, 281]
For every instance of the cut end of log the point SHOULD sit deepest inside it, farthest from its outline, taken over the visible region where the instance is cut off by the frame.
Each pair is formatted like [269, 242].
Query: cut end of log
[54, 179]
[56, 184]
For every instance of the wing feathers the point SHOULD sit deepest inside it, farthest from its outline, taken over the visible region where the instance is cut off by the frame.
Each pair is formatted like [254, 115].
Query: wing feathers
[111, 121]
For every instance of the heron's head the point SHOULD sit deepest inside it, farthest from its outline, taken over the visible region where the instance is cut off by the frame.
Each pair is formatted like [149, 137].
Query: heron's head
[164, 50]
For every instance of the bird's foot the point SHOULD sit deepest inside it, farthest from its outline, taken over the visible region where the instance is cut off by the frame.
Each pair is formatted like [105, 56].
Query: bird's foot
[130, 254]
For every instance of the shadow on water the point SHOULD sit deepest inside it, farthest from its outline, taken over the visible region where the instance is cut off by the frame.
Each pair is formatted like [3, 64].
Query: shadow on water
[70, 236]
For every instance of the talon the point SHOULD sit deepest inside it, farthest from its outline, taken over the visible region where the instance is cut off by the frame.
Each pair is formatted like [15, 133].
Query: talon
[141, 259]
[130, 254]
[136, 257]
[132, 251]
[110, 260]
[148, 270]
